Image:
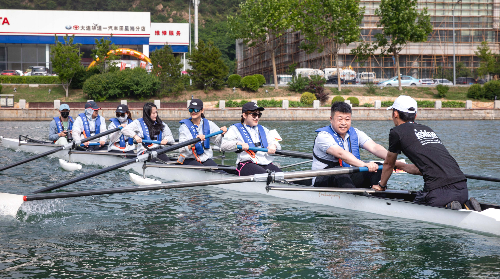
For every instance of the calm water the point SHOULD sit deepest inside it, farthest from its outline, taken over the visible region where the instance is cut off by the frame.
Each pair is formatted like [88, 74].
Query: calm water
[213, 233]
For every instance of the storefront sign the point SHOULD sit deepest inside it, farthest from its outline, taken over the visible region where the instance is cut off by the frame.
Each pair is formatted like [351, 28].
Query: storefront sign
[169, 33]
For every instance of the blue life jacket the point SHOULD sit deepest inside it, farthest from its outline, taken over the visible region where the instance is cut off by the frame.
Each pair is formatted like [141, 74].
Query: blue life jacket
[192, 128]
[353, 141]
[248, 139]
[145, 131]
[86, 127]
[60, 126]
[122, 137]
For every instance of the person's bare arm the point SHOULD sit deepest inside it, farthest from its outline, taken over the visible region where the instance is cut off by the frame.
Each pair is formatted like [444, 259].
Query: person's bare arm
[350, 159]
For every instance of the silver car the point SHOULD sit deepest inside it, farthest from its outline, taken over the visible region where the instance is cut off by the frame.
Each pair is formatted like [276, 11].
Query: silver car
[405, 81]
[443, 81]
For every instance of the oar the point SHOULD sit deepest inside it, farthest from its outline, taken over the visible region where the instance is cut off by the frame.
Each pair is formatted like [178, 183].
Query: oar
[155, 142]
[282, 152]
[67, 146]
[140, 158]
[265, 177]
[485, 178]
[91, 144]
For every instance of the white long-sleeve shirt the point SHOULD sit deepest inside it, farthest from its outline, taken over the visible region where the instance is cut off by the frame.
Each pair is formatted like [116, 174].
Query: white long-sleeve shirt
[233, 136]
[114, 140]
[135, 128]
[185, 134]
[78, 129]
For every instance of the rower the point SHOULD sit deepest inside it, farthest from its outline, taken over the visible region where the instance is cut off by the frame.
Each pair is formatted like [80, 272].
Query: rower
[445, 185]
[197, 126]
[61, 126]
[149, 127]
[338, 144]
[119, 143]
[249, 133]
[88, 124]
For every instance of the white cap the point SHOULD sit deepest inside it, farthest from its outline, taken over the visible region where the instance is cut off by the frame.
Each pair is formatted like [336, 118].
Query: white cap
[404, 103]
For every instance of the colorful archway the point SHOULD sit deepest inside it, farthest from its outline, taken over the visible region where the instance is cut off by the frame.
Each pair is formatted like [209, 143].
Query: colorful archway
[124, 51]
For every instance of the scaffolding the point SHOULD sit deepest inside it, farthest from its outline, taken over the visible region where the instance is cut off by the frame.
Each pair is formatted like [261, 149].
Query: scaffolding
[475, 22]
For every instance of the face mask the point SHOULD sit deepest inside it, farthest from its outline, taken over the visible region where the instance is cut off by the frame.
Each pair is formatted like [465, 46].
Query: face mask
[122, 119]
[64, 114]
[89, 112]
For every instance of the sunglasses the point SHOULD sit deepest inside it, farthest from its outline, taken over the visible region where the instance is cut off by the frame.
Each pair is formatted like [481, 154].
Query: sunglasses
[122, 114]
[191, 110]
[255, 114]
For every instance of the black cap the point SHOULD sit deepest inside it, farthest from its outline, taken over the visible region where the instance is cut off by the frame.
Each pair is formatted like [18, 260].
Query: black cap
[122, 109]
[92, 105]
[196, 104]
[250, 106]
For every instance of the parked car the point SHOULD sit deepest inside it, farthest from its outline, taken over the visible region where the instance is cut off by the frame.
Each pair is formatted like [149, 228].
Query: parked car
[335, 80]
[38, 71]
[19, 73]
[9, 73]
[405, 81]
[481, 81]
[466, 80]
[427, 81]
[443, 81]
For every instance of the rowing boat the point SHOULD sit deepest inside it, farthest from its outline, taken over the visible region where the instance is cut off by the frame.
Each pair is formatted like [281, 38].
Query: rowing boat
[395, 203]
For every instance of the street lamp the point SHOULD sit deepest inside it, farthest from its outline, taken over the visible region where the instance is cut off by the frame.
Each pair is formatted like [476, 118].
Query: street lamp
[453, 15]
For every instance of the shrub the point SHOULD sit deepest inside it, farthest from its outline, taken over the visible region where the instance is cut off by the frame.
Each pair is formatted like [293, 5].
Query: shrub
[491, 89]
[270, 103]
[368, 105]
[234, 81]
[82, 75]
[135, 83]
[424, 104]
[261, 79]
[30, 79]
[453, 104]
[1, 87]
[442, 90]
[250, 83]
[371, 89]
[298, 84]
[386, 104]
[338, 99]
[317, 86]
[295, 104]
[354, 101]
[476, 91]
[235, 104]
[307, 98]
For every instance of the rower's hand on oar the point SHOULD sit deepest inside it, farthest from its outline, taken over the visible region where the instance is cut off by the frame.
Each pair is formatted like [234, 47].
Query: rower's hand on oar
[372, 167]
[123, 125]
[62, 134]
[101, 143]
[137, 139]
[244, 146]
[86, 144]
[271, 149]
[201, 137]
[164, 141]
[224, 129]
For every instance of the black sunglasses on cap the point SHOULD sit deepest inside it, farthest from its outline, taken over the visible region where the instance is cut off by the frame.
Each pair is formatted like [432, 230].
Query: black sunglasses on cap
[121, 114]
[255, 114]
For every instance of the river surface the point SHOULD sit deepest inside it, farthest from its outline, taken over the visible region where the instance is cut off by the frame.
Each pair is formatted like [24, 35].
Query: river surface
[207, 232]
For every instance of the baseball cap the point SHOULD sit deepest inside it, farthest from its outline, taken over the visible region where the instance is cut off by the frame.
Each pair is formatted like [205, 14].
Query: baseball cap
[251, 106]
[92, 105]
[196, 104]
[63, 107]
[404, 104]
[122, 109]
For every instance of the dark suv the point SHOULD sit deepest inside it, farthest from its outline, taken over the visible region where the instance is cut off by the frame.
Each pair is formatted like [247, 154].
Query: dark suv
[466, 80]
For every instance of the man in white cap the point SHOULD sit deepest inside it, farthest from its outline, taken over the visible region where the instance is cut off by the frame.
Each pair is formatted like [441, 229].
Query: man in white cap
[445, 184]
[61, 126]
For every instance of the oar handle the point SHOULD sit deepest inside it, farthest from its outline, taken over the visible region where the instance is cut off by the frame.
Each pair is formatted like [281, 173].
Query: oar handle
[282, 152]
[101, 134]
[253, 148]
[91, 144]
[151, 141]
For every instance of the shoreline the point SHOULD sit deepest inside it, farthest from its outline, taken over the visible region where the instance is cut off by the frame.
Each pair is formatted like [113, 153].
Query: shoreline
[270, 114]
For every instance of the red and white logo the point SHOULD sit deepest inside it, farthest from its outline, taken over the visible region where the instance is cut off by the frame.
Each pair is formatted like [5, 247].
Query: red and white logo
[4, 21]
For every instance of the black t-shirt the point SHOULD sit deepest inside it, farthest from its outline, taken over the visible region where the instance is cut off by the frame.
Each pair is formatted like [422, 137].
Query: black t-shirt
[424, 149]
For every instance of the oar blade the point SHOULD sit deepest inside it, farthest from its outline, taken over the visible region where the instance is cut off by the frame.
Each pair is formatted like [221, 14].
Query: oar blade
[68, 166]
[10, 204]
[139, 180]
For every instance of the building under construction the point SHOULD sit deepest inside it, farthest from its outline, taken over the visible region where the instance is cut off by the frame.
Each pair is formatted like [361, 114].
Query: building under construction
[475, 22]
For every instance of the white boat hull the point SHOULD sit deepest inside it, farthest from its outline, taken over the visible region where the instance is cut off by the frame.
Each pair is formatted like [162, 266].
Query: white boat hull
[487, 221]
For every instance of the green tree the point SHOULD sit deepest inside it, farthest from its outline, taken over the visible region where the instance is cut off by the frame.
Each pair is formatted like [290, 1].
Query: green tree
[401, 24]
[259, 22]
[327, 25]
[103, 53]
[208, 69]
[168, 69]
[218, 32]
[490, 63]
[65, 60]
